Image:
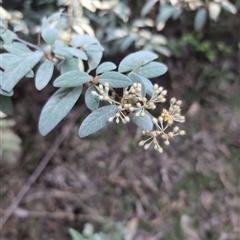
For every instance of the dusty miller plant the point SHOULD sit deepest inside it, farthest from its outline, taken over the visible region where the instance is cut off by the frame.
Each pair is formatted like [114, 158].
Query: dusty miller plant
[65, 50]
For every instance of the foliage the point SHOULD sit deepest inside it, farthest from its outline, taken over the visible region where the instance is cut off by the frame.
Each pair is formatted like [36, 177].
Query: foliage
[135, 102]
[174, 8]
[117, 232]
[195, 43]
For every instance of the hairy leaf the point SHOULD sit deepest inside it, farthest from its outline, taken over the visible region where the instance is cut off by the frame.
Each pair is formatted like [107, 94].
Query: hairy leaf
[94, 59]
[70, 52]
[97, 120]
[133, 60]
[147, 7]
[229, 7]
[69, 64]
[18, 68]
[91, 101]
[200, 18]
[105, 67]
[75, 234]
[16, 48]
[49, 35]
[30, 74]
[57, 107]
[72, 79]
[84, 39]
[148, 85]
[153, 69]
[115, 79]
[4, 93]
[145, 123]
[94, 48]
[5, 59]
[44, 74]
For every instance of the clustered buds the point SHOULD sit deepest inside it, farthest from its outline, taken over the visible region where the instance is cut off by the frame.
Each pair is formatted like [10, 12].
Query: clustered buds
[133, 101]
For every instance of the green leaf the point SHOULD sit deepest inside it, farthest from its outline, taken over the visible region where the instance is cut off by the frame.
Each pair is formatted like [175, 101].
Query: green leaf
[148, 85]
[6, 105]
[153, 69]
[115, 79]
[137, 79]
[18, 68]
[91, 101]
[147, 7]
[105, 67]
[57, 107]
[94, 48]
[49, 35]
[69, 64]
[44, 74]
[97, 120]
[94, 59]
[75, 234]
[145, 123]
[229, 7]
[133, 60]
[200, 19]
[72, 79]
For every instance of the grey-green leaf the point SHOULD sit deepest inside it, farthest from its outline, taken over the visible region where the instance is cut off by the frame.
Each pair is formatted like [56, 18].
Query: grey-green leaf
[44, 74]
[153, 69]
[147, 7]
[105, 67]
[72, 79]
[91, 101]
[94, 48]
[200, 18]
[18, 68]
[57, 107]
[70, 52]
[6, 105]
[148, 85]
[84, 39]
[115, 79]
[5, 59]
[75, 234]
[94, 59]
[137, 79]
[145, 123]
[4, 93]
[97, 120]
[49, 35]
[133, 60]
[69, 64]
[30, 74]
[16, 48]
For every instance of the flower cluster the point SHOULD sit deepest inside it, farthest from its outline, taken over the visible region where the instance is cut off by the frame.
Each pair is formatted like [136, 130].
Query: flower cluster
[134, 101]
[162, 124]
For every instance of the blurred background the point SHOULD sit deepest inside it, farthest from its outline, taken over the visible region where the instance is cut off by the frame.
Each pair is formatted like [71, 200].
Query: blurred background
[191, 190]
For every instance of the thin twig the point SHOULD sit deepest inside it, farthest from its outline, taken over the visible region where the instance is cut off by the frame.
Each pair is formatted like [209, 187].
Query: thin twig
[25, 188]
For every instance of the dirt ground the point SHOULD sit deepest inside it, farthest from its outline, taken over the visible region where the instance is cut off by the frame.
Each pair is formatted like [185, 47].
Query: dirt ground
[191, 191]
